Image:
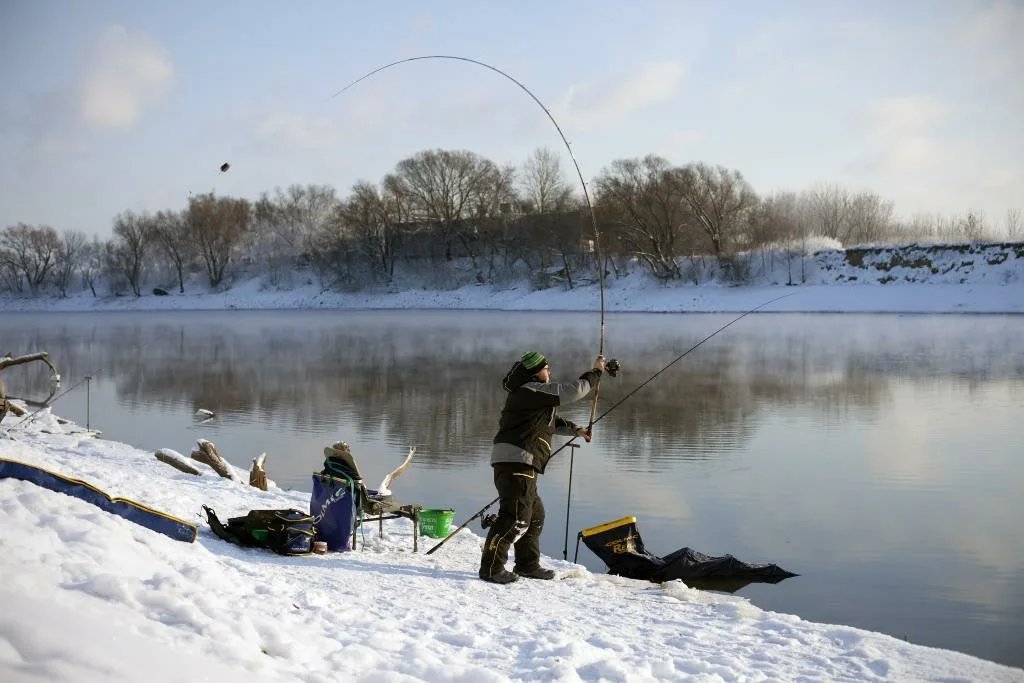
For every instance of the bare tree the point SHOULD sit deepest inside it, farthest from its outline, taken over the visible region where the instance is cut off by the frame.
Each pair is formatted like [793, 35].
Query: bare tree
[69, 251]
[217, 224]
[302, 212]
[542, 186]
[972, 226]
[869, 219]
[29, 252]
[172, 234]
[641, 198]
[832, 205]
[9, 275]
[91, 263]
[719, 200]
[449, 189]
[127, 250]
[374, 217]
[920, 227]
[264, 241]
[1014, 225]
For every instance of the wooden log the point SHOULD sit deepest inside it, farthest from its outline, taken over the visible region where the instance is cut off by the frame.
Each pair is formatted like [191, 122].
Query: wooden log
[176, 460]
[257, 475]
[205, 452]
[8, 361]
[16, 410]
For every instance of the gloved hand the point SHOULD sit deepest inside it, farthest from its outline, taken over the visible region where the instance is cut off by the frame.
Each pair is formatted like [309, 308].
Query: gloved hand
[599, 363]
[585, 433]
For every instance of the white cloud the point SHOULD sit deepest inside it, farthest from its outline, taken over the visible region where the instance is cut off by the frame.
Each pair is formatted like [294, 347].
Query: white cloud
[995, 34]
[899, 131]
[611, 101]
[933, 157]
[904, 115]
[126, 72]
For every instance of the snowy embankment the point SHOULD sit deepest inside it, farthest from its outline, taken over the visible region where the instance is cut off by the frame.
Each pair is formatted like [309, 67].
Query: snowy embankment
[89, 596]
[982, 278]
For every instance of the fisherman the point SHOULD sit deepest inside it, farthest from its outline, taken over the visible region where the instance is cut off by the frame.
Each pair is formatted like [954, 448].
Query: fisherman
[521, 451]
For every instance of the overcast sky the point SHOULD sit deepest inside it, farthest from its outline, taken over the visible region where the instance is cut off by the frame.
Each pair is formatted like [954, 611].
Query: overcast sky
[112, 106]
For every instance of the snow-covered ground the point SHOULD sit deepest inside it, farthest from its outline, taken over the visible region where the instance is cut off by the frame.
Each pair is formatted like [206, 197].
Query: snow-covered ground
[88, 596]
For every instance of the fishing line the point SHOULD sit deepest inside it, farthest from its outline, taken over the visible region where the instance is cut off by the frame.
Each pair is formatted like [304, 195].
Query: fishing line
[616, 405]
[683, 355]
[25, 420]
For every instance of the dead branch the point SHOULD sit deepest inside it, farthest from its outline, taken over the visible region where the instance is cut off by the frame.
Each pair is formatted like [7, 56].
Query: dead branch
[16, 410]
[257, 475]
[205, 452]
[176, 460]
[385, 486]
[7, 361]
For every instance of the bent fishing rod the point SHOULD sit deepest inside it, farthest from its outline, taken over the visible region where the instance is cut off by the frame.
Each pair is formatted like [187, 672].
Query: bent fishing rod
[579, 173]
[617, 404]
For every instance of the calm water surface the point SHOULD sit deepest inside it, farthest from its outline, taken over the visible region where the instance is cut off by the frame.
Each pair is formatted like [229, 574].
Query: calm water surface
[876, 455]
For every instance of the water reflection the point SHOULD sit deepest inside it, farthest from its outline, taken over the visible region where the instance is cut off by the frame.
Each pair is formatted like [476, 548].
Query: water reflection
[878, 456]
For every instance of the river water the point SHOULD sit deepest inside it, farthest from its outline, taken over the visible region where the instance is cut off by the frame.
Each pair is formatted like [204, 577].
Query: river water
[878, 456]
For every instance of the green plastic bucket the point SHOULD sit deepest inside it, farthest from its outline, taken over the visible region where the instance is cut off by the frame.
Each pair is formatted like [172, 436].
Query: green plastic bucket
[436, 523]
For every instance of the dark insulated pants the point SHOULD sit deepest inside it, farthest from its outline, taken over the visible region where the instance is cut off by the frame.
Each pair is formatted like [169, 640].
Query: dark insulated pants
[520, 521]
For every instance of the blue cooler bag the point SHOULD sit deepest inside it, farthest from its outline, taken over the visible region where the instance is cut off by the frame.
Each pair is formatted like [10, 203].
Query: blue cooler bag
[332, 506]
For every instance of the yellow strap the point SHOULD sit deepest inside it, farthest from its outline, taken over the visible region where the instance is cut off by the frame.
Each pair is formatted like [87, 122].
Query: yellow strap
[608, 526]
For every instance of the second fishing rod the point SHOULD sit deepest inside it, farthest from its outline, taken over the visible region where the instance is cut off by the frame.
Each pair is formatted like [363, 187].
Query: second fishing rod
[616, 405]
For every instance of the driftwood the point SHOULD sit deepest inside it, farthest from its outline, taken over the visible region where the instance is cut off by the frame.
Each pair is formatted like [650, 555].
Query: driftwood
[385, 486]
[15, 410]
[258, 475]
[205, 452]
[176, 460]
[7, 361]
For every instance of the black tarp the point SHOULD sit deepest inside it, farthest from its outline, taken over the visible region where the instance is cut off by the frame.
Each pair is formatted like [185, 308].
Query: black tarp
[619, 545]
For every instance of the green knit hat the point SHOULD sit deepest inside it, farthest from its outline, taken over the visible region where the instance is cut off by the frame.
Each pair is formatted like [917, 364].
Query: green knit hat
[533, 361]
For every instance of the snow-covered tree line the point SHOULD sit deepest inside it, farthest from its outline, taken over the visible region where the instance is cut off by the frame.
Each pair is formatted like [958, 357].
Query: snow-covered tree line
[445, 217]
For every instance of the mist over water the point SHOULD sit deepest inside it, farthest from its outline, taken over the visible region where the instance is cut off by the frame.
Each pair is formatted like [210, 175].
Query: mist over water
[875, 455]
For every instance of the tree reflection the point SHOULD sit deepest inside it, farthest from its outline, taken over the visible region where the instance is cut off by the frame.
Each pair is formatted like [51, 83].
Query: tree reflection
[434, 379]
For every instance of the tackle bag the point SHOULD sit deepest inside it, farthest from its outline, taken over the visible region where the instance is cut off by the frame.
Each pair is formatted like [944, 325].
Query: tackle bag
[286, 532]
[333, 506]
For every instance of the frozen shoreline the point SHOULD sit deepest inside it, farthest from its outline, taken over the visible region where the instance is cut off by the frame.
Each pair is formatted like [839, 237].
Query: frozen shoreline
[80, 579]
[620, 296]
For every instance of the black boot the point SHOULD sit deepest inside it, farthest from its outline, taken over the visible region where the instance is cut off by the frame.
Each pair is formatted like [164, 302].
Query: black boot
[538, 573]
[503, 576]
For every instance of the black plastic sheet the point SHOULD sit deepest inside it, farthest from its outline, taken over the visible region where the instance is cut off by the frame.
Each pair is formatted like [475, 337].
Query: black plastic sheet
[619, 545]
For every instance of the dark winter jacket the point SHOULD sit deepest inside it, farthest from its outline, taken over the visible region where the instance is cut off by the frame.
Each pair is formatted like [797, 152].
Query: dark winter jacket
[528, 419]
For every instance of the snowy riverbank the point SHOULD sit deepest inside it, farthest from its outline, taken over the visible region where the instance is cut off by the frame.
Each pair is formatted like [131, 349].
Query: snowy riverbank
[91, 597]
[960, 278]
[633, 293]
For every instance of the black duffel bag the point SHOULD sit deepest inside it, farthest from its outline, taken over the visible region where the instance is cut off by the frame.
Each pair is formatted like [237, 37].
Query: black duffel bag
[286, 532]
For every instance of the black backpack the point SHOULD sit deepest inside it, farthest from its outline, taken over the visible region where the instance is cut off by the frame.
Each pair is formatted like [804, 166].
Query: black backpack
[286, 532]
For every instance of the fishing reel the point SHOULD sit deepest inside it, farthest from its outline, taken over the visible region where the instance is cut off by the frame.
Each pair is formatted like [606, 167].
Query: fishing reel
[487, 520]
[612, 367]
